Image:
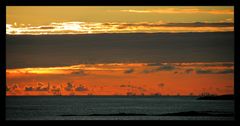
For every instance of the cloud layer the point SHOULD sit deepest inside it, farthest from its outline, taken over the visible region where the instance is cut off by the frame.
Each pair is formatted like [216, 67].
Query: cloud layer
[121, 78]
[114, 27]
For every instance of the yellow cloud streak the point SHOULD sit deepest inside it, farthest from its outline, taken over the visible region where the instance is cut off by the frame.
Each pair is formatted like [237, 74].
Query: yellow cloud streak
[116, 67]
[70, 69]
[181, 11]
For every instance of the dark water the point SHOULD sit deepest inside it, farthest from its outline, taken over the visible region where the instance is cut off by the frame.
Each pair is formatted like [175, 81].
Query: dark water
[116, 108]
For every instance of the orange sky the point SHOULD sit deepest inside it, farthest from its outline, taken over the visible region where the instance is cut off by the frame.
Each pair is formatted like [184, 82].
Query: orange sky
[121, 79]
[40, 20]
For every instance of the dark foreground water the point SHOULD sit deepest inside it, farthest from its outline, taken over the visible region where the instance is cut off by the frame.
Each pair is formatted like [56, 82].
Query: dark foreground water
[117, 108]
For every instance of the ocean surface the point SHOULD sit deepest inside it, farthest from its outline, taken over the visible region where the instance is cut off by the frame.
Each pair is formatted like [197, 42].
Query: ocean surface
[117, 108]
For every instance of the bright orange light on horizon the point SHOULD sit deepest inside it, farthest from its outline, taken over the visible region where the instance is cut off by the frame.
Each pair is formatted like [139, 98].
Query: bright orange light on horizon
[123, 78]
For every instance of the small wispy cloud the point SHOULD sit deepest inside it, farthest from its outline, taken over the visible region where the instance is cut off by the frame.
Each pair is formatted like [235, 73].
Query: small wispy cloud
[81, 88]
[209, 71]
[79, 72]
[206, 64]
[188, 71]
[166, 67]
[133, 87]
[129, 71]
[161, 85]
[231, 20]
[181, 11]
[69, 86]
[161, 67]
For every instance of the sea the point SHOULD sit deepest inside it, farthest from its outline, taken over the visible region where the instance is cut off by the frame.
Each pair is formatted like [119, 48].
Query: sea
[117, 108]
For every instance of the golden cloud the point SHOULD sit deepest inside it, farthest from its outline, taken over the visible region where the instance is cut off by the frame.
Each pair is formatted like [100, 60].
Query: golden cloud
[112, 27]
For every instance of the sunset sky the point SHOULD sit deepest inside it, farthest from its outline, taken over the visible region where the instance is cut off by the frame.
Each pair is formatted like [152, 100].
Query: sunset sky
[170, 50]
[118, 19]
